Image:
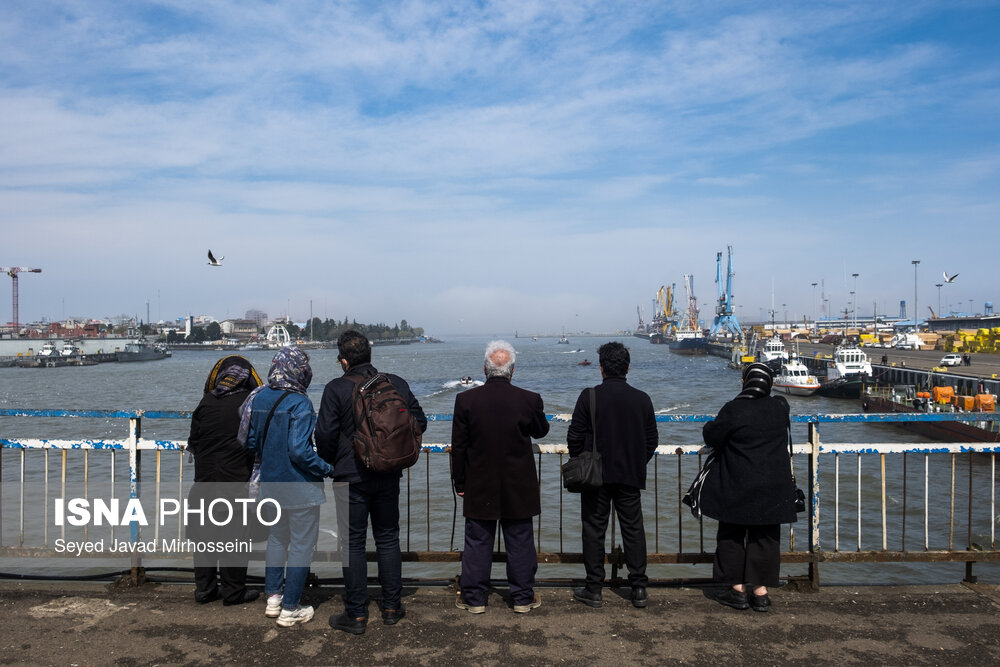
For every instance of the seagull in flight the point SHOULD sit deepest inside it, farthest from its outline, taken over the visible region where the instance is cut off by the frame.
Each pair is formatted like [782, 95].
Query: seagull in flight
[949, 279]
[212, 261]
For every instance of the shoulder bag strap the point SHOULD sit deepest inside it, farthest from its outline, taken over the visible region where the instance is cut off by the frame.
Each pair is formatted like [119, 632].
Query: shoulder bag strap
[267, 422]
[790, 462]
[593, 416]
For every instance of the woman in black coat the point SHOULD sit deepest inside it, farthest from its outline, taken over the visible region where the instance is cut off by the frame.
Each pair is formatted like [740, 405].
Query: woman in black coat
[749, 490]
[222, 468]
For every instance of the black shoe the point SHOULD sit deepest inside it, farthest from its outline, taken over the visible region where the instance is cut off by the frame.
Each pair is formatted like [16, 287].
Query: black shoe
[759, 602]
[393, 616]
[732, 598]
[247, 595]
[639, 597]
[355, 626]
[205, 598]
[586, 597]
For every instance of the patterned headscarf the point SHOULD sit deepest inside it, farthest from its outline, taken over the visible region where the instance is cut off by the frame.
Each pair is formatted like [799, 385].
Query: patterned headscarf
[230, 375]
[757, 381]
[290, 371]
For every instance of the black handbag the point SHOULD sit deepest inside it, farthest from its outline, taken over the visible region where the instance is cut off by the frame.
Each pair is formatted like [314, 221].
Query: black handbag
[800, 496]
[585, 471]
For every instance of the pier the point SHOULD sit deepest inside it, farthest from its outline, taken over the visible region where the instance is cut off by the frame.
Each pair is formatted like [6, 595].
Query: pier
[148, 616]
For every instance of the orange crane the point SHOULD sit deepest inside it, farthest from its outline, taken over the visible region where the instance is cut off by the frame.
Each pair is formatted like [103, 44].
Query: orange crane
[12, 271]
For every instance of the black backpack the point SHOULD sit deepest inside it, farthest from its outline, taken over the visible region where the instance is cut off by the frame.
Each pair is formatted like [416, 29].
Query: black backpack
[387, 437]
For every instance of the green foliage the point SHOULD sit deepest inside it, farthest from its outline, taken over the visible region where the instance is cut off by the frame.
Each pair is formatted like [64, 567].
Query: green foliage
[330, 330]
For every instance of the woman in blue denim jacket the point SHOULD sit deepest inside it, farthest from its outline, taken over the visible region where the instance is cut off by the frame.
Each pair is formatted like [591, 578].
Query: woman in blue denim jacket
[278, 423]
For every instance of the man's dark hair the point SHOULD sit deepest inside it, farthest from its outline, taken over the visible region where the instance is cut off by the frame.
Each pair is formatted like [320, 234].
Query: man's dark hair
[614, 359]
[354, 347]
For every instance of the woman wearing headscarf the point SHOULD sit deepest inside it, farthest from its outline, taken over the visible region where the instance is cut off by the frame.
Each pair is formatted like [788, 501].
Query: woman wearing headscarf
[749, 490]
[277, 425]
[222, 467]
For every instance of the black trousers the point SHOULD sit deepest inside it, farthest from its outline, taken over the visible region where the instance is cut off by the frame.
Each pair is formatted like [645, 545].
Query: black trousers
[595, 509]
[208, 574]
[747, 554]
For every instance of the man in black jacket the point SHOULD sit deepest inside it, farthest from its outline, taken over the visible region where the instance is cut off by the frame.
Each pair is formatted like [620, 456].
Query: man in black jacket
[627, 429]
[493, 469]
[370, 493]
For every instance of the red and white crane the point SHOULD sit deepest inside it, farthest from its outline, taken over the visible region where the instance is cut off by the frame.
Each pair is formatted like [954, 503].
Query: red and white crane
[12, 271]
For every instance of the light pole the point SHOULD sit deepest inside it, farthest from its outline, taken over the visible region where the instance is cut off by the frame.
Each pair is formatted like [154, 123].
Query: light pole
[938, 285]
[785, 307]
[915, 263]
[815, 318]
[855, 275]
[854, 308]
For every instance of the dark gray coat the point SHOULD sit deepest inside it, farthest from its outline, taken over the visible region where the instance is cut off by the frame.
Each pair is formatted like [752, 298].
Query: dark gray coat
[491, 456]
[750, 481]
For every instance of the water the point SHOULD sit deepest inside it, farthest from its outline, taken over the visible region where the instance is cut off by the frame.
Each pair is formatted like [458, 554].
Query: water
[676, 384]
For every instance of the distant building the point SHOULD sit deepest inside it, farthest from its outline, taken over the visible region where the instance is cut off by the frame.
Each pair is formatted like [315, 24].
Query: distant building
[259, 317]
[239, 328]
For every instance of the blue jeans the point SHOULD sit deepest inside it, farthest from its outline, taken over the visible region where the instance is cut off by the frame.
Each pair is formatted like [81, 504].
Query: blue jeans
[378, 498]
[292, 539]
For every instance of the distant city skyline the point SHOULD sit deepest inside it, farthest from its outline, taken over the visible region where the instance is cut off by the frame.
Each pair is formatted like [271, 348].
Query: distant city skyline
[483, 167]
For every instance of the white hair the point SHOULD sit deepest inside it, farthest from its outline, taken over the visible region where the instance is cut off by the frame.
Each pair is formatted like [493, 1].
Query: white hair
[495, 351]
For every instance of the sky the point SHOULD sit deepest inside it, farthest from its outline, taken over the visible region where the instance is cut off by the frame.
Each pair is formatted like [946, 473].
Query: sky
[486, 167]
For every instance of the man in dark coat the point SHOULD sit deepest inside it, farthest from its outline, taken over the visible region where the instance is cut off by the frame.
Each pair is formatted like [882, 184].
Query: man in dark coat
[370, 493]
[749, 489]
[493, 469]
[626, 441]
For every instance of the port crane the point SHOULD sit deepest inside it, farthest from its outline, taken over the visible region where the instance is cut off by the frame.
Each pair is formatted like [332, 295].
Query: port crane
[667, 322]
[724, 304]
[13, 272]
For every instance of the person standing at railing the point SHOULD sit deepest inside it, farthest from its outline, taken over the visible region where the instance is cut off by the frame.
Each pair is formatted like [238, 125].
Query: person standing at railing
[221, 465]
[278, 421]
[626, 440]
[493, 469]
[749, 490]
[369, 493]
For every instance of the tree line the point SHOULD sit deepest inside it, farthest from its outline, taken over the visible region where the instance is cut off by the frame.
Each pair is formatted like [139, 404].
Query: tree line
[317, 329]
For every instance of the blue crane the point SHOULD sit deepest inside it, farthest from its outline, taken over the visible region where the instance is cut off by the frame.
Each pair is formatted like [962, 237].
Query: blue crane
[724, 305]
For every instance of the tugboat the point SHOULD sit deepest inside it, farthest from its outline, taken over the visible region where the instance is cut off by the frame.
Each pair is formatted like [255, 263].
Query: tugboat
[845, 373]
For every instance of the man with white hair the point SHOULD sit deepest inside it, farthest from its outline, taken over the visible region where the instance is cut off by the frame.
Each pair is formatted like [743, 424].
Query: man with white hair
[493, 469]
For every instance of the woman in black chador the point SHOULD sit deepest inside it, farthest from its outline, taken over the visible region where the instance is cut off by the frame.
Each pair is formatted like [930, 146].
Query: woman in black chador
[749, 490]
[222, 468]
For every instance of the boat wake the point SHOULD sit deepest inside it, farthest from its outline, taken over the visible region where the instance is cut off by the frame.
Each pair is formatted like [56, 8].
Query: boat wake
[665, 411]
[580, 349]
[452, 385]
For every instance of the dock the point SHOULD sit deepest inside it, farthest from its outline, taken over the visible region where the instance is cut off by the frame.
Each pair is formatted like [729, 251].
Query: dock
[100, 624]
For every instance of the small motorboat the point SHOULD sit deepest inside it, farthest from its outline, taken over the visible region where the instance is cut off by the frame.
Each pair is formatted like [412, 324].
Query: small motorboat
[794, 379]
[585, 362]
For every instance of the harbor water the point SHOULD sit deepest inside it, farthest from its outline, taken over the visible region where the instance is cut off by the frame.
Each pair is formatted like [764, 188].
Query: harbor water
[677, 385]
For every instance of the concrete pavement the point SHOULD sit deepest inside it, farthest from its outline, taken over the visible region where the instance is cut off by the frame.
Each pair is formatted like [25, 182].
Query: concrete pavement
[97, 624]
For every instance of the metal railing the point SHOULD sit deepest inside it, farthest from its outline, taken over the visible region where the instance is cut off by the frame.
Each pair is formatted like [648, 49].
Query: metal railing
[867, 505]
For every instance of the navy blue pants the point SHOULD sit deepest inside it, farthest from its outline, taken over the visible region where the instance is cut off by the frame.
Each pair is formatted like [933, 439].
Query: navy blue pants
[477, 559]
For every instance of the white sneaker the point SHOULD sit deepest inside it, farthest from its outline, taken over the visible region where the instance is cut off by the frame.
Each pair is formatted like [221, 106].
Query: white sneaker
[290, 617]
[274, 605]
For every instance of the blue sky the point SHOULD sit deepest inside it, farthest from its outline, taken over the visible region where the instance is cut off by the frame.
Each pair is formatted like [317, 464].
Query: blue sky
[485, 167]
